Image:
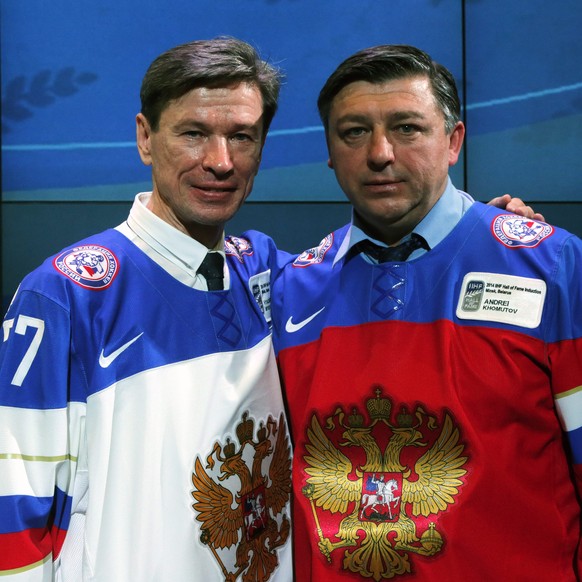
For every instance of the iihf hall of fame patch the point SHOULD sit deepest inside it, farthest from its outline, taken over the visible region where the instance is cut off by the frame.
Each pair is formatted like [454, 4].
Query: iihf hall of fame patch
[515, 231]
[90, 266]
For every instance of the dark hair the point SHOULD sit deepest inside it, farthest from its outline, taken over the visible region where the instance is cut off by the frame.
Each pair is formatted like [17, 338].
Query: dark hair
[218, 62]
[389, 62]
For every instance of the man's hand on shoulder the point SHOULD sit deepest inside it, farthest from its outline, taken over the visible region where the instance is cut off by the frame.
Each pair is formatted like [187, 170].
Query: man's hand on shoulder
[517, 206]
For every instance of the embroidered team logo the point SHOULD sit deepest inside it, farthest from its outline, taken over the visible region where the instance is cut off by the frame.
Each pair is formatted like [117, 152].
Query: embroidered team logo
[90, 266]
[314, 255]
[514, 231]
[381, 486]
[242, 510]
[237, 247]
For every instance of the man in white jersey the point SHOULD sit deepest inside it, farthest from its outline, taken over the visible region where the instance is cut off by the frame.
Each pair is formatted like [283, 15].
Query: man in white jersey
[142, 429]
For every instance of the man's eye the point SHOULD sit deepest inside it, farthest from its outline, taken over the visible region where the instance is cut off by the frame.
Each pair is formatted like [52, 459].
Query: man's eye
[193, 133]
[352, 132]
[408, 129]
[241, 137]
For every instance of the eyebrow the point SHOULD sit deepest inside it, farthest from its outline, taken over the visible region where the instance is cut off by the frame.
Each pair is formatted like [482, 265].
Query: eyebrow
[395, 116]
[402, 115]
[188, 123]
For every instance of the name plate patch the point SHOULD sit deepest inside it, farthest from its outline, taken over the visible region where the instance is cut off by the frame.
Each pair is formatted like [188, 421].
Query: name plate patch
[502, 298]
[260, 286]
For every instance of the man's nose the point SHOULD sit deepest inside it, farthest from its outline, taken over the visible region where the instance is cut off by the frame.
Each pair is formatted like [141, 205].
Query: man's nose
[381, 151]
[217, 158]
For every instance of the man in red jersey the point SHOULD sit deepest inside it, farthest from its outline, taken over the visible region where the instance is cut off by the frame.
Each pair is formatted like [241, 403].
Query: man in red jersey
[431, 355]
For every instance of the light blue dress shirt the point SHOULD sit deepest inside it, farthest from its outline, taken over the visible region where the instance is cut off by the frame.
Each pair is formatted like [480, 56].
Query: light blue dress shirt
[434, 227]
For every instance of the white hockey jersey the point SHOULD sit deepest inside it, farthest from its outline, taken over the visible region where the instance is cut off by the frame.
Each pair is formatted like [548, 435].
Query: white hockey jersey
[142, 429]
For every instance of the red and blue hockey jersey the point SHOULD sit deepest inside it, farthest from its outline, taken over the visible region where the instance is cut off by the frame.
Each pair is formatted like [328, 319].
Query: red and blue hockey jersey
[436, 406]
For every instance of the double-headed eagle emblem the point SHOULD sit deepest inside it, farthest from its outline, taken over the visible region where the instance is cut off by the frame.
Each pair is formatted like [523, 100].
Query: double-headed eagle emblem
[253, 518]
[390, 485]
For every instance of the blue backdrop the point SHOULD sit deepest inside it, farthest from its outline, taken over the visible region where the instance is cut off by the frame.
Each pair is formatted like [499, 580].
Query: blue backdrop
[71, 73]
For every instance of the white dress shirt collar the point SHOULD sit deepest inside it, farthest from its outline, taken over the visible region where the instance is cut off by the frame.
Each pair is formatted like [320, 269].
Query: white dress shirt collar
[176, 252]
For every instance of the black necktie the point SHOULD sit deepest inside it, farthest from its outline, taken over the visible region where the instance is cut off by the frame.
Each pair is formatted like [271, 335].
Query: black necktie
[395, 254]
[212, 269]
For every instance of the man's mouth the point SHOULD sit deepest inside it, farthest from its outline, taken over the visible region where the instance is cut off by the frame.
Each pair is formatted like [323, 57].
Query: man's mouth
[382, 186]
[215, 188]
[383, 182]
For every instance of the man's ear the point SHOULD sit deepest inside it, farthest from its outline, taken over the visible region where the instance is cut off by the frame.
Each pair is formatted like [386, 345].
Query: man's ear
[456, 139]
[329, 164]
[143, 135]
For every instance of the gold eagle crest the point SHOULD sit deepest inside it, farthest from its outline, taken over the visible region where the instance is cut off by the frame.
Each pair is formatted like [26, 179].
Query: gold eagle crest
[387, 493]
[253, 518]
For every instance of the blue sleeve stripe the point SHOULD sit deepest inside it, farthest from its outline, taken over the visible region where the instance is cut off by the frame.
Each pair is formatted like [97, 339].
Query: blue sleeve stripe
[23, 512]
[575, 438]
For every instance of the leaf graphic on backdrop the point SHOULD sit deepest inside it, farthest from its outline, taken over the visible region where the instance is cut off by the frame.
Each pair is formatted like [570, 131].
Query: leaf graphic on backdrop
[39, 94]
[65, 83]
[13, 95]
[21, 95]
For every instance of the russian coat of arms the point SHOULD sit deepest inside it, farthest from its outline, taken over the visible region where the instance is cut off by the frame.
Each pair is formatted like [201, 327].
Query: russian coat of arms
[253, 519]
[385, 480]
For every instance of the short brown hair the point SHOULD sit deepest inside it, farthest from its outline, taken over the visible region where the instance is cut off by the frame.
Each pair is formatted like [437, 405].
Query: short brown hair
[217, 62]
[389, 62]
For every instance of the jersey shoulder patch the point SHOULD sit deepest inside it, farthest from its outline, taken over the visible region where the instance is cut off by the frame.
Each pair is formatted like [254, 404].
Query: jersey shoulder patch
[314, 255]
[515, 231]
[238, 247]
[90, 266]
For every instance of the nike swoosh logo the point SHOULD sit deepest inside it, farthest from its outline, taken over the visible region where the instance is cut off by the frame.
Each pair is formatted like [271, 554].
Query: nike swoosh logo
[106, 361]
[291, 327]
